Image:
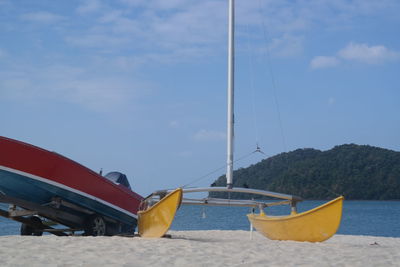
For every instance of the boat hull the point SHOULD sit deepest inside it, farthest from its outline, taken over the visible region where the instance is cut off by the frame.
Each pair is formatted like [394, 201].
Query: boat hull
[316, 225]
[36, 175]
[157, 219]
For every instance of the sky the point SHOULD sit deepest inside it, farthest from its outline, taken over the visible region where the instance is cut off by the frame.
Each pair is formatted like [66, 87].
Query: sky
[139, 86]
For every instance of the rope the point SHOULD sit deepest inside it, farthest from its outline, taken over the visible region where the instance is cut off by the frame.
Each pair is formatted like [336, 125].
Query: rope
[258, 150]
[274, 89]
[268, 56]
[326, 188]
[251, 65]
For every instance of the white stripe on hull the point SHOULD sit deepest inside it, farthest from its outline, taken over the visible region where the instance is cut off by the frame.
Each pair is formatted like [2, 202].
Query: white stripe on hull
[47, 181]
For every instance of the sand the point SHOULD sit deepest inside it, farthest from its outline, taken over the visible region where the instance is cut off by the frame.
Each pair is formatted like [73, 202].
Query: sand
[197, 248]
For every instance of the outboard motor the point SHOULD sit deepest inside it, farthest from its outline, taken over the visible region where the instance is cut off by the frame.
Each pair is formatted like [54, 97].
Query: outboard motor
[118, 178]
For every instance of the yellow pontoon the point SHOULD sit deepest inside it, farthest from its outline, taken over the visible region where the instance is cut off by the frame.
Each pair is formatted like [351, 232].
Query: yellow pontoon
[155, 220]
[315, 225]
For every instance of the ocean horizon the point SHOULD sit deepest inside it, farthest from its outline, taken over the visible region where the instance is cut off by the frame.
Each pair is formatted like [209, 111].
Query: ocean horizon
[366, 217]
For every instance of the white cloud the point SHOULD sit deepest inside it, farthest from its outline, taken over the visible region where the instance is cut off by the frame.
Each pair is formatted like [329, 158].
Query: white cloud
[97, 40]
[155, 35]
[98, 94]
[42, 17]
[287, 45]
[111, 16]
[331, 101]
[157, 4]
[209, 135]
[199, 24]
[173, 124]
[69, 85]
[3, 53]
[356, 52]
[88, 6]
[323, 62]
[162, 28]
[185, 154]
[368, 54]
[133, 2]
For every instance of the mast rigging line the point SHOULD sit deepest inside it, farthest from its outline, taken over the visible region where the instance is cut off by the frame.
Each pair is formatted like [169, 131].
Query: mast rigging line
[252, 84]
[274, 89]
[258, 150]
[268, 56]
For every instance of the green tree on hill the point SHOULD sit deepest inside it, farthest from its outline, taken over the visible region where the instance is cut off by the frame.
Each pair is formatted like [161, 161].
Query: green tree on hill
[355, 171]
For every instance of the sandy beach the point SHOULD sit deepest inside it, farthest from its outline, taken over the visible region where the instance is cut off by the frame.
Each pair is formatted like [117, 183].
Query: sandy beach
[197, 248]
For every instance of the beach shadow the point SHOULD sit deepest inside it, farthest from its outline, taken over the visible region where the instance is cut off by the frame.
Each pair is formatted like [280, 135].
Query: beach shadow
[196, 239]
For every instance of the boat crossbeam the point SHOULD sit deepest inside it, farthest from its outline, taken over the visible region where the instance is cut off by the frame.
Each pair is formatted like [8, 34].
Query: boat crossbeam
[236, 190]
[232, 202]
[286, 199]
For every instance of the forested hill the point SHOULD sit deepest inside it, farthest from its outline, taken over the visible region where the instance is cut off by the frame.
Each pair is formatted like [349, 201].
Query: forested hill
[355, 171]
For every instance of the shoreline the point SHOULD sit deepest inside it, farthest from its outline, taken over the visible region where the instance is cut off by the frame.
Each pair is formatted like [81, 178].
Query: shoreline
[198, 248]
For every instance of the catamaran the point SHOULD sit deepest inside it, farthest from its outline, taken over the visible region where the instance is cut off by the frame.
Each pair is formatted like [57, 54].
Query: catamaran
[315, 225]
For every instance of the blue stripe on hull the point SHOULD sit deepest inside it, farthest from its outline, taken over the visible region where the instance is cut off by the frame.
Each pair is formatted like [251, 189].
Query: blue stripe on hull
[28, 189]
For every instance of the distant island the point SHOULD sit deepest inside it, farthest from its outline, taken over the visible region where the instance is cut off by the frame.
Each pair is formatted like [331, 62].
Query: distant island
[359, 172]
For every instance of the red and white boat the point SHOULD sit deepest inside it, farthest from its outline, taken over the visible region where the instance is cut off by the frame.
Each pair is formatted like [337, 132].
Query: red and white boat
[43, 183]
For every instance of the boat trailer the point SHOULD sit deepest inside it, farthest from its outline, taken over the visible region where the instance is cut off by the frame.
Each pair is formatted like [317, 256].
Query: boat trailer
[29, 214]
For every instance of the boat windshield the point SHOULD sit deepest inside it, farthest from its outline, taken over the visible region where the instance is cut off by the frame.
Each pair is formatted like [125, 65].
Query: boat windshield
[118, 178]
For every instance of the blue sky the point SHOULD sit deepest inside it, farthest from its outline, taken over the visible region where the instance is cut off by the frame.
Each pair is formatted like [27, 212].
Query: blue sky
[139, 86]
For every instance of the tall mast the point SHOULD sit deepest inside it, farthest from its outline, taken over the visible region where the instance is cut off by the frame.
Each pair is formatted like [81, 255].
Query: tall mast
[231, 79]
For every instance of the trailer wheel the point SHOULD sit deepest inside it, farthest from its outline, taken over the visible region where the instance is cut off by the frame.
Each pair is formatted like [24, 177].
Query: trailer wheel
[96, 226]
[30, 229]
[26, 229]
[128, 229]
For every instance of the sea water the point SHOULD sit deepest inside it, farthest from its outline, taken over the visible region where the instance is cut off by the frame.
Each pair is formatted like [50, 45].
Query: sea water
[376, 218]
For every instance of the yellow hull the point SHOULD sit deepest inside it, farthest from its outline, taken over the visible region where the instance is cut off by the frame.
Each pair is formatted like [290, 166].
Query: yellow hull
[156, 220]
[315, 225]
